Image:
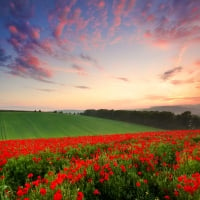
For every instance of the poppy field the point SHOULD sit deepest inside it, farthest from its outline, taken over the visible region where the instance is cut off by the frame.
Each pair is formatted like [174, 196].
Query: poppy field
[142, 166]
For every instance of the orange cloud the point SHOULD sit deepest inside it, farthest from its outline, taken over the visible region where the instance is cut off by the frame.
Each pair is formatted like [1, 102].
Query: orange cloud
[161, 43]
[197, 63]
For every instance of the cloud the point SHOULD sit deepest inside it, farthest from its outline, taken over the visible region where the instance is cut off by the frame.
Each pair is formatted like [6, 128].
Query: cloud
[66, 14]
[82, 87]
[166, 98]
[101, 4]
[31, 67]
[170, 21]
[197, 63]
[180, 82]
[170, 73]
[87, 57]
[79, 70]
[23, 30]
[116, 40]
[123, 79]
[160, 43]
[3, 56]
[117, 9]
[70, 25]
[45, 90]
[181, 54]
[59, 29]
[88, 61]
[21, 9]
[47, 46]
[25, 40]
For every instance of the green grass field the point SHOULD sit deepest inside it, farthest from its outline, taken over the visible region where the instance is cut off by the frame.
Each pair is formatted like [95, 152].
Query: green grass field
[20, 125]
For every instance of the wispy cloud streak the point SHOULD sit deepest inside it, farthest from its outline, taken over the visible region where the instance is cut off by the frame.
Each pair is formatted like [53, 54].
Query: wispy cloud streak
[170, 73]
[45, 90]
[82, 87]
[123, 79]
[79, 70]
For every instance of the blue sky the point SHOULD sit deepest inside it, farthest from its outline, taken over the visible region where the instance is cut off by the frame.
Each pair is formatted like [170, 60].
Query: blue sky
[119, 54]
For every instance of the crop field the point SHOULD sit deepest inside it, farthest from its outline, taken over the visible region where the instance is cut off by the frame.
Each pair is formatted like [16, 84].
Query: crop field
[21, 125]
[144, 166]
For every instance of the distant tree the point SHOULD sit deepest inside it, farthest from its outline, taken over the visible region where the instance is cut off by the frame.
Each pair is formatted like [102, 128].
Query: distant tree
[185, 119]
[164, 120]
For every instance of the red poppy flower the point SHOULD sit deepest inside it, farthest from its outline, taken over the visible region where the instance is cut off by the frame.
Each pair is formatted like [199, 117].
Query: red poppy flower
[43, 191]
[80, 196]
[96, 192]
[138, 184]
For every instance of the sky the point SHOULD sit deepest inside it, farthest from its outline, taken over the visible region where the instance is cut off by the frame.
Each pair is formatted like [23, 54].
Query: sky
[93, 54]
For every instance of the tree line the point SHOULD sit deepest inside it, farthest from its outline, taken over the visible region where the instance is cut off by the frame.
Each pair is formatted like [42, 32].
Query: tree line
[163, 120]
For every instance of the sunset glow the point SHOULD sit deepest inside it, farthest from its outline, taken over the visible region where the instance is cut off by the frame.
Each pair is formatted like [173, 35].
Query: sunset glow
[115, 54]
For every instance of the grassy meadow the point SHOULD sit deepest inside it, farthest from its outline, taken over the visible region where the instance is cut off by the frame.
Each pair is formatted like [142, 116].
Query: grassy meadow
[21, 125]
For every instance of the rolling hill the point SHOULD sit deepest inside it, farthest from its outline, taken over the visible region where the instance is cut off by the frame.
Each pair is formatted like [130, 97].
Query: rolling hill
[20, 125]
[177, 109]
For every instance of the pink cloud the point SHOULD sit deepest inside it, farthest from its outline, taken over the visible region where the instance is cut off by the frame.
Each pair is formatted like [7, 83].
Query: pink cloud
[161, 43]
[59, 29]
[15, 43]
[130, 6]
[101, 4]
[17, 33]
[116, 40]
[21, 9]
[66, 17]
[23, 33]
[97, 40]
[30, 66]
[13, 29]
[76, 14]
[35, 33]
[118, 8]
[60, 16]
[147, 34]
[32, 60]
[81, 24]
[83, 37]
[47, 46]
[121, 10]
[168, 23]
[150, 18]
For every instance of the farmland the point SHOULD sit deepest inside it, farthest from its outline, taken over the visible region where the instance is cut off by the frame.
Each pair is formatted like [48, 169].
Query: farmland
[21, 125]
[41, 159]
[143, 166]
